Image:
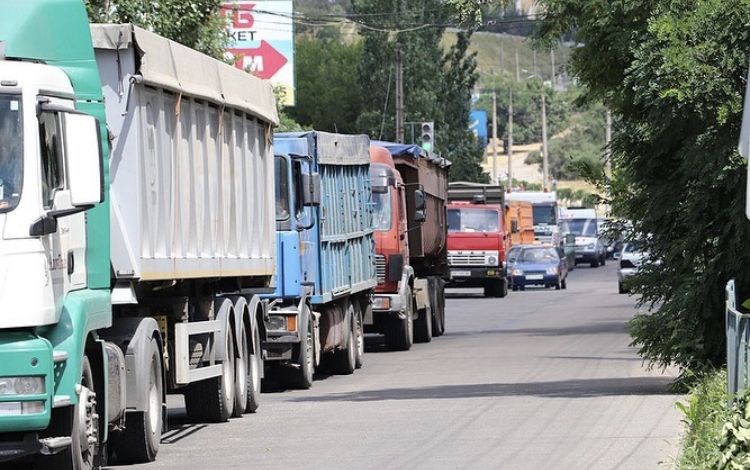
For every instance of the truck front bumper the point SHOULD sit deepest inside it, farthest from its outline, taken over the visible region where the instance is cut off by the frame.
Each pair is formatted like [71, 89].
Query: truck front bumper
[26, 392]
[475, 276]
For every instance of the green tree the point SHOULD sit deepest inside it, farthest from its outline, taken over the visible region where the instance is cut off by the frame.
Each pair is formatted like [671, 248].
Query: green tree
[195, 23]
[437, 83]
[673, 73]
[329, 97]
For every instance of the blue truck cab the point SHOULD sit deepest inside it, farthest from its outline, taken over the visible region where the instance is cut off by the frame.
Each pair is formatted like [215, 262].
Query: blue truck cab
[325, 272]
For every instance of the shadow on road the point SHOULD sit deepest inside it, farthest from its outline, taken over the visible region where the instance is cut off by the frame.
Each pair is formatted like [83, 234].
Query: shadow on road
[577, 388]
[601, 327]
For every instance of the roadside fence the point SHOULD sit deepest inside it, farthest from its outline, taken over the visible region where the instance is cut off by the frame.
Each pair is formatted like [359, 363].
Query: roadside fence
[738, 337]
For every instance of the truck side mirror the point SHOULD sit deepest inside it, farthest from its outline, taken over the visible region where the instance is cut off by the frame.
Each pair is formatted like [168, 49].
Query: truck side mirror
[420, 216]
[419, 200]
[311, 189]
[513, 226]
[83, 152]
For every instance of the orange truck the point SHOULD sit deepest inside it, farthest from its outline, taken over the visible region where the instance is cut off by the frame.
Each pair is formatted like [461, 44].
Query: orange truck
[519, 223]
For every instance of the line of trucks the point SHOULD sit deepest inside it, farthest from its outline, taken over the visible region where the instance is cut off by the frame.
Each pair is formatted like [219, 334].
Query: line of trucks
[157, 237]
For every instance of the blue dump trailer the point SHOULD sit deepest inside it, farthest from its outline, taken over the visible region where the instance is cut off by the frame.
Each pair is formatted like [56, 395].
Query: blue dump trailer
[325, 271]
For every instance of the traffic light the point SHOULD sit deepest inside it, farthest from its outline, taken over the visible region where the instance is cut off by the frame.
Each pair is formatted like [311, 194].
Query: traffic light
[427, 136]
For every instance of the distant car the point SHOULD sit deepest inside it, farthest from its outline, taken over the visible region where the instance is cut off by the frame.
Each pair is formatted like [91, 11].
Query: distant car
[588, 243]
[631, 258]
[536, 265]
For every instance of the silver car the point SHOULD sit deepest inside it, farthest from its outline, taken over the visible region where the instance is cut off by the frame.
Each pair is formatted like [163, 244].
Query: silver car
[631, 259]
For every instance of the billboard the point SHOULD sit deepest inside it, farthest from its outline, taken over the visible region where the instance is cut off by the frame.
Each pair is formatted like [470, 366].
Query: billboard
[261, 41]
[478, 125]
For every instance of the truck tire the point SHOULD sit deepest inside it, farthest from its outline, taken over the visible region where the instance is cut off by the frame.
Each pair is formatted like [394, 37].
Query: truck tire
[399, 334]
[343, 361]
[437, 300]
[359, 335]
[212, 400]
[241, 370]
[139, 442]
[301, 375]
[254, 374]
[360, 356]
[84, 419]
[423, 327]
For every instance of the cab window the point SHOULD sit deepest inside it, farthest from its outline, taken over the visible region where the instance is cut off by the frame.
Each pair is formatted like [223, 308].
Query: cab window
[51, 155]
[281, 168]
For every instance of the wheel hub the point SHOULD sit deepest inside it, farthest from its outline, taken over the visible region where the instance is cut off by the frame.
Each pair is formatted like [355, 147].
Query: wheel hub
[88, 422]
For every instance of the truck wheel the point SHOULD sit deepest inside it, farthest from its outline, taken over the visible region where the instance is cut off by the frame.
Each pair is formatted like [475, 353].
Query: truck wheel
[344, 360]
[423, 327]
[399, 334]
[82, 426]
[359, 337]
[253, 376]
[241, 368]
[437, 301]
[212, 400]
[301, 375]
[139, 442]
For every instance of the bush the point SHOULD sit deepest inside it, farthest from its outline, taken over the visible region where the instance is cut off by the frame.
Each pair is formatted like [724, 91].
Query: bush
[533, 158]
[705, 414]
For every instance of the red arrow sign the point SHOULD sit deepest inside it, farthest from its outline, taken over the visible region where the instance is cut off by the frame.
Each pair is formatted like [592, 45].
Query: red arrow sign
[263, 61]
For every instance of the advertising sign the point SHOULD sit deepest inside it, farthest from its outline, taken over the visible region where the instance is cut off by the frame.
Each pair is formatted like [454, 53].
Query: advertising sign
[478, 125]
[261, 41]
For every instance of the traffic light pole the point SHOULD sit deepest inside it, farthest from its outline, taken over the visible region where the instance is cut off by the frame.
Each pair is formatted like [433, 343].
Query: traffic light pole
[494, 137]
[399, 96]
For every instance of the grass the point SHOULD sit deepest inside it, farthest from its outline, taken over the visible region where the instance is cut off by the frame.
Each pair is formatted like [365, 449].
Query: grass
[705, 414]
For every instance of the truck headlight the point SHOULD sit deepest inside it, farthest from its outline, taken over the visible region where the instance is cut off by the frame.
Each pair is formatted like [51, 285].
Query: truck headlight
[516, 272]
[492, 260]
[276, 322]
[552, 271]
[26, 385]
[590, 246]
[381, 303]
[21, 407]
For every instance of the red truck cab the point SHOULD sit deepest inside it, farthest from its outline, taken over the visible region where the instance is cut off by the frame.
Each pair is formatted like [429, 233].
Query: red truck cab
[476, 247]
[394, 308]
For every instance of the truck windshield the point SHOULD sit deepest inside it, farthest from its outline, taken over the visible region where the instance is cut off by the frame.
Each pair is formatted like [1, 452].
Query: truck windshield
[282, 188]
[473, 220]
[381, 217]
[544, 214]
[11, 151]
[580, 227]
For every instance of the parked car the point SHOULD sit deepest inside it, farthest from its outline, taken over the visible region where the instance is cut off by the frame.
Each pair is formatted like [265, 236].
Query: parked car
[537, 265]
[631, 258]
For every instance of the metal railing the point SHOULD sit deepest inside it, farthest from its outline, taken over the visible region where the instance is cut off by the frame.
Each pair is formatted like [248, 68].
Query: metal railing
[738, 337]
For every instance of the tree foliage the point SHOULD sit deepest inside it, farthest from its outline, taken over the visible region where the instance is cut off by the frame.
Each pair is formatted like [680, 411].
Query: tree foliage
[437, 83]
[329, 97]
[195, 23]
[673, 72]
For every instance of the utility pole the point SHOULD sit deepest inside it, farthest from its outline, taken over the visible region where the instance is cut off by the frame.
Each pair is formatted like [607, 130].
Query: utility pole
[545, 170]
[535, 70]
[518, 71]
[552, 57]
[510, 142]
[607, 140]
[494, 136]
[399, 96]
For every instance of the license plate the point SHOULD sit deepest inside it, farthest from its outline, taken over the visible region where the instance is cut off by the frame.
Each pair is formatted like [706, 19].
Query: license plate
[534, 277]
[460, 273]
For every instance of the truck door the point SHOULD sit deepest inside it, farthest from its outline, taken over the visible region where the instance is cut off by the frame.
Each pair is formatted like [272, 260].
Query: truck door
[306, 220]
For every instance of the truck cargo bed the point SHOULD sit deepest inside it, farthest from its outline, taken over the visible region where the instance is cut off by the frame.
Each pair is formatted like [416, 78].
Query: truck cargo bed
[192, 162]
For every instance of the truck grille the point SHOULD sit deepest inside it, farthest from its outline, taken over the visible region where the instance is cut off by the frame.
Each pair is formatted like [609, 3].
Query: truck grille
[380, 268]
[465, 260]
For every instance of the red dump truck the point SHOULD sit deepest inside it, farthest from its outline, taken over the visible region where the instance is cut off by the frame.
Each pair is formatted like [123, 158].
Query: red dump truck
[477, 237]
[409, 189]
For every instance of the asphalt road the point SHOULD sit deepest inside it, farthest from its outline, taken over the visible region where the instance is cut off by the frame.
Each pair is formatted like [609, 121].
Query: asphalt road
[541, 379]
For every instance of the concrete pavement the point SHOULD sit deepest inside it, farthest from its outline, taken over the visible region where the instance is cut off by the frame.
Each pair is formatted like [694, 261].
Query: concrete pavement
[541, 379]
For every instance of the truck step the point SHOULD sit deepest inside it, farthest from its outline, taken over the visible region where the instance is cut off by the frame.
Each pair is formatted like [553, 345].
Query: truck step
[59, 356]
[53, 445]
